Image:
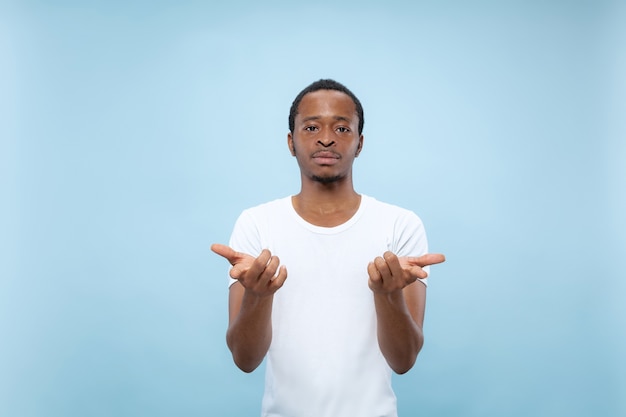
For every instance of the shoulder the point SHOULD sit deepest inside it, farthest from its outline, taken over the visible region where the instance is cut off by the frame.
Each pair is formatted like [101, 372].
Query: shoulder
[254, 224]
[403, 229]
[387, 210]
[265, 211]
[269, 207]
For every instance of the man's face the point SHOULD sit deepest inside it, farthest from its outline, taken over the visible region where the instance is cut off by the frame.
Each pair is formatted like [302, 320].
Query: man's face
[325, 138]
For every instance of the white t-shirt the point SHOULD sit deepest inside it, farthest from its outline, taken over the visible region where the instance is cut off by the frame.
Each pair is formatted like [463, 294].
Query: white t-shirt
[324, 359]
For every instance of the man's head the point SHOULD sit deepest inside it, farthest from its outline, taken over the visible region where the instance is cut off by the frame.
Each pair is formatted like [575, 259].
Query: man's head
[325, 84]
[324, 134]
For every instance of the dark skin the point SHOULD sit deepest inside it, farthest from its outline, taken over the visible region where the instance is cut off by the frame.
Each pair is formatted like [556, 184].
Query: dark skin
[325, 142]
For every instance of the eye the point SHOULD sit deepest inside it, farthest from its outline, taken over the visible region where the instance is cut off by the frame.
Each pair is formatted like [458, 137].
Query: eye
[310, 128]
[343, 129]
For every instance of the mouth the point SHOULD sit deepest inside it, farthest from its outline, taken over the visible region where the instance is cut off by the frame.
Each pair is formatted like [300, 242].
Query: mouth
[326, 157]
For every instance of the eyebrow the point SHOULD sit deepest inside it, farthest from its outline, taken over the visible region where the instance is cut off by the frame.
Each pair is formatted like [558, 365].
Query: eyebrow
[337, 118]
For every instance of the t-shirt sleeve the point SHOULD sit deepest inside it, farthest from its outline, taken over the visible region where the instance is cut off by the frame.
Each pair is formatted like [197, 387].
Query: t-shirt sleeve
[410, 238]
[245, 237]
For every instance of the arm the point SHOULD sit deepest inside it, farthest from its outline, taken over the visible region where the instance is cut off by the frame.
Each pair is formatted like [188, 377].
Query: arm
[400, 304]
[249, 327]
[250, 300]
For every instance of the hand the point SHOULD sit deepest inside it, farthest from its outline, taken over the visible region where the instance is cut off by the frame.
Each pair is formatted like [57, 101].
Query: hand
[390, 273]
[258, 275]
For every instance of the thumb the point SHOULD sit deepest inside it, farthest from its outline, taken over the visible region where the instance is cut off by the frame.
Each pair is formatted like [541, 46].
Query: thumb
[236, 272]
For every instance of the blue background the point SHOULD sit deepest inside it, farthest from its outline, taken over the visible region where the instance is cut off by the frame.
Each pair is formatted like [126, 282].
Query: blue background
[134, 133]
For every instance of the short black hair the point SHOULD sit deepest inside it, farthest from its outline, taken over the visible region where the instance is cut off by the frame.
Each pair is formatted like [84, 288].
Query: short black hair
[325, 84]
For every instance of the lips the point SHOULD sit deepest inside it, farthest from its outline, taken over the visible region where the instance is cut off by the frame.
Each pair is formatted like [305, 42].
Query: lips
[326, 157]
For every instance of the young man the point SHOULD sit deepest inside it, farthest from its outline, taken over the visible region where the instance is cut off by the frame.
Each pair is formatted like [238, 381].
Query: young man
[351, 310]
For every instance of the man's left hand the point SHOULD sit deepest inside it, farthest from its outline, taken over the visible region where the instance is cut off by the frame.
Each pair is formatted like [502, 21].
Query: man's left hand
[390, 273]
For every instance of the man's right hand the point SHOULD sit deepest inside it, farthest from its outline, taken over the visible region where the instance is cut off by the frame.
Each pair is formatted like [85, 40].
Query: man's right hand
[261, 276]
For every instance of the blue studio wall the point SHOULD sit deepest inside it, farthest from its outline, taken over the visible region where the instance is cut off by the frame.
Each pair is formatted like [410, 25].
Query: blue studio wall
[132, 134]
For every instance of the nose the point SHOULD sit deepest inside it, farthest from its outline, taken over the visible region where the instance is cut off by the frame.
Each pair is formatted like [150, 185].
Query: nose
[326, 140]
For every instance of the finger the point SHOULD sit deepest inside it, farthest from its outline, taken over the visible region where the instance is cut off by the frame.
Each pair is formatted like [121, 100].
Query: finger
[417, 272]
[269, 273]
[383, 268]
[407, 276]
[227, 252]
[393, 263]
[238, 270]
[425, 260]
[375, 278]
[279, 280]
[236, 273]
[373, 272]
[259, 264]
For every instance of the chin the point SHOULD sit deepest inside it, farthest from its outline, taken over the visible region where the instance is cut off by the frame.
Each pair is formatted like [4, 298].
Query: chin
[327, 179]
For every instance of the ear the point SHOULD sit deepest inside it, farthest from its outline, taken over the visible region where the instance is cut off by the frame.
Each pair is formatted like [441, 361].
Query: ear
[358, 149]
[292, 148]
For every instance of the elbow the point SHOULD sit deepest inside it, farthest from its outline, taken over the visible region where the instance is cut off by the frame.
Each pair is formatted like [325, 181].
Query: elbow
[401, 371]
[244, 359]
[246, 366]
[403, 368]
[245, 362]
[406, 362]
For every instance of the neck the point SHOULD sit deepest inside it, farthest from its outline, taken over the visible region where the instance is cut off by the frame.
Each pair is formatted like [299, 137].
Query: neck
[326, 205]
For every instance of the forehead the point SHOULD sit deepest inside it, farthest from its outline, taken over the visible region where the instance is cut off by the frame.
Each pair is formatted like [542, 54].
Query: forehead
[326, 103]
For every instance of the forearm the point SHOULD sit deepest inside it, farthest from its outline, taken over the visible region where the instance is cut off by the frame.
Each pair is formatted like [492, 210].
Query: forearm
[250, 332]
[399, 337]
